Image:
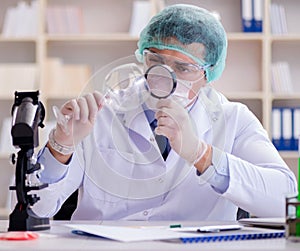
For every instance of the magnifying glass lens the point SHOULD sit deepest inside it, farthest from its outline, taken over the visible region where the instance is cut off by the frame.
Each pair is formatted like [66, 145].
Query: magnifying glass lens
[161, 81]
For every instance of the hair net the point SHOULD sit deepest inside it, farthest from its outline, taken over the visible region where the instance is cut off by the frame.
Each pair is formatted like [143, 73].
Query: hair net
[190, 30]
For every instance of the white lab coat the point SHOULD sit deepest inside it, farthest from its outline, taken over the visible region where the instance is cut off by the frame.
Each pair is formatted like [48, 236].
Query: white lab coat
[118, 180]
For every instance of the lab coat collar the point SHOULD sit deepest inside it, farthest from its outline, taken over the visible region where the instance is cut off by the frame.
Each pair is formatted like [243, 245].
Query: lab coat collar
[137, 121]
[207, 110]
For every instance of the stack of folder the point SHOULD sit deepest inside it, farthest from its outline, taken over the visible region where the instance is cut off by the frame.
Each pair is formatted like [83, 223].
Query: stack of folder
[285, 128]
[252, 15]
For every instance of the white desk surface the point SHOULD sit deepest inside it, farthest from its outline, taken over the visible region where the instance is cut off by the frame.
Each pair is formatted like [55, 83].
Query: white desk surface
[60, 237]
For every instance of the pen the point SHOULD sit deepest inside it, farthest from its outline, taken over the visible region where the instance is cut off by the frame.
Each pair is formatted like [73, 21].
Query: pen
[206, 229]
[175, 226]
[219, 228]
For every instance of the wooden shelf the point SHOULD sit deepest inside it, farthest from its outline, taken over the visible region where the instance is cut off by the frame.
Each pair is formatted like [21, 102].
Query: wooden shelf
[92, 37]
[246, 77]
[285, 37]
[239, 36]
[290, 96]
[289, 154]
[244, 95]
[18, 39]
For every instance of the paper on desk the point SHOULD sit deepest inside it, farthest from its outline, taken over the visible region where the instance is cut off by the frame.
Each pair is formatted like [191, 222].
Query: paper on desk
[264, 222]
[128, 234]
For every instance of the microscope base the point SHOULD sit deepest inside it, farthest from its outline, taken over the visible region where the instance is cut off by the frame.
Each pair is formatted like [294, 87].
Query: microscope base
[26, 220]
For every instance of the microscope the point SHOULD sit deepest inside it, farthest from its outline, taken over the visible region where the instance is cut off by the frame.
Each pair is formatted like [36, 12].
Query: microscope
[28, 114]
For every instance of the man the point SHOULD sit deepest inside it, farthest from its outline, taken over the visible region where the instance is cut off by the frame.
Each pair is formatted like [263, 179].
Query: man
[218, 158]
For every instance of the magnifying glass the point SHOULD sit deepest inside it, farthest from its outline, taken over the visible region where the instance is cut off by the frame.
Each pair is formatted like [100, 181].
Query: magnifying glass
[161, 81]
[127, 87]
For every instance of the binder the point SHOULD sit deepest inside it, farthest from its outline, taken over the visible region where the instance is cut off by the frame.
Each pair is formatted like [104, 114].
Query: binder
[296, 127]
[252, 15]
[287, 128]
[257, 15]
[278, 19]
[247, 16]
[141, 14]
[277, 128]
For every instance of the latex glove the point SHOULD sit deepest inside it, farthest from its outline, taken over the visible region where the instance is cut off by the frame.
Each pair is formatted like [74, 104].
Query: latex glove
[76, 118]
[173, 121]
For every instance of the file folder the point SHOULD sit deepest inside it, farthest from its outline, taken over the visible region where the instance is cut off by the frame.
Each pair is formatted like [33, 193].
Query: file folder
[247, 16]
[287, 128]
[277, 128]
[252, 15]
[257, 15]
[296, 127]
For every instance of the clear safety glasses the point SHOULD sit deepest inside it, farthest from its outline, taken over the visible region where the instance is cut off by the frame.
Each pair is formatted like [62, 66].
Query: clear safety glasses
[183, 70]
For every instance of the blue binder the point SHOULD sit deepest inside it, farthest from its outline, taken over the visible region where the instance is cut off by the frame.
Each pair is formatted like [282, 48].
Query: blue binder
[285, 128]
[252, 15]
[247, 15]
[257, 15]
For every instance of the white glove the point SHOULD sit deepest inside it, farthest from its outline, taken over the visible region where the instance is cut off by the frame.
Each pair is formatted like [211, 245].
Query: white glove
[76, 118]
[173, 121]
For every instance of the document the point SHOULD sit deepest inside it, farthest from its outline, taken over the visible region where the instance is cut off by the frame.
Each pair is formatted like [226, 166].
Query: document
[183, 234]
[129, 234]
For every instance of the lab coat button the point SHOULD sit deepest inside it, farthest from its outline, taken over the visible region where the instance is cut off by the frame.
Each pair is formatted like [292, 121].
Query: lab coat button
[152, 139]
[160, 180]
[145, 213]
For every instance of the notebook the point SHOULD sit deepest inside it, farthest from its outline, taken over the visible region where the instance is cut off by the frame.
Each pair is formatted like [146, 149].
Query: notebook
[137, 233]
[246, 233]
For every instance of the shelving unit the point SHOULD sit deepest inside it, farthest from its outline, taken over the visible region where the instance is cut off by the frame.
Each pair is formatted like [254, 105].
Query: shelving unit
[106, 38]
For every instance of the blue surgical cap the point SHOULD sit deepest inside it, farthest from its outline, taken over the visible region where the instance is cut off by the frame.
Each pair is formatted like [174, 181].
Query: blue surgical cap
[190, 30]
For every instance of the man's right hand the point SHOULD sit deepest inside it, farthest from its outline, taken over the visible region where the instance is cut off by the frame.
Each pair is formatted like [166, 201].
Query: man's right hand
[81, 114]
